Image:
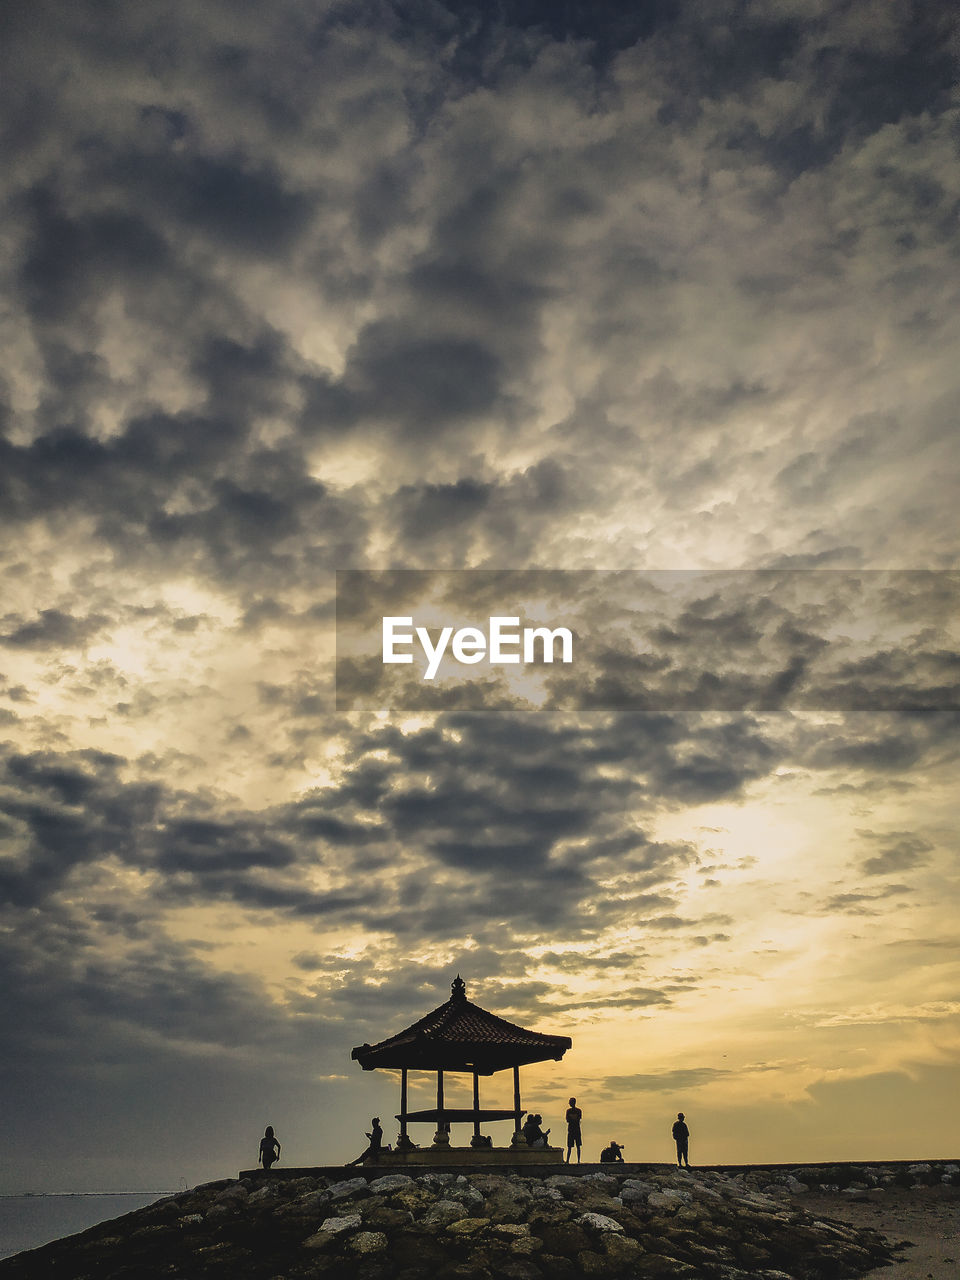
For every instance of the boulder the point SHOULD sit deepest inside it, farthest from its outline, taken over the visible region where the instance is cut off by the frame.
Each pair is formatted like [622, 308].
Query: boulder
[334, 1226]
[391, 1182]
[598, 1222]
[350, 1187]
[368, 1242]
[443, 1212]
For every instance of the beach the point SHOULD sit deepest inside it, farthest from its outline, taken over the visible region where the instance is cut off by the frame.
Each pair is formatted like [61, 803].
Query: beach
[927, 1217]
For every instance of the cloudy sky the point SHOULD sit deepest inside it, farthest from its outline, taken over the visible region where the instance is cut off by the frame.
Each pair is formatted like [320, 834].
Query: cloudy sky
[299, 288]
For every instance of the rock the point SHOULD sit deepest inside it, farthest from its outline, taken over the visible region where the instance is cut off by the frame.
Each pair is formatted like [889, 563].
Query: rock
[298, 1186]
[591, 1263]
[526, 1245]
[752, 1256]
[466, 1226]
[565, 1238]
[228, 1202]
[443, 1213]
[603, 1180]
[265, 1195]
[351, 1187]
[598, 1222]
[662, 1268]
[519, 1269]
[307, 1205]
[220, 1211]
[384, 1216]
[636, 1188]
[417, 1200]
[620, 1249]
[334, 1226]
[368, 1242]
[466, 1195]
[391, 1182]
[542, 1192]
[667, 1199]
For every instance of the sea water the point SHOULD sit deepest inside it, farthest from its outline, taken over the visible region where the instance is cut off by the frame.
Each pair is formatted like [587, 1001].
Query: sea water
[26, 1222]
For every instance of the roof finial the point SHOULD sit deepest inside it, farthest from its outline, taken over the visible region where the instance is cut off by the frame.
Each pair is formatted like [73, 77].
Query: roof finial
[459, 988]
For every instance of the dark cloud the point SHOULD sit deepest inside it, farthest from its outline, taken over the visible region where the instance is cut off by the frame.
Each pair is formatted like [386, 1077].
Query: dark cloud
[863, 904]
[239, 205]
[69, 260]
[678, 1080]
[660, 641]
[485, 287]
[52, 629]
[900, 851]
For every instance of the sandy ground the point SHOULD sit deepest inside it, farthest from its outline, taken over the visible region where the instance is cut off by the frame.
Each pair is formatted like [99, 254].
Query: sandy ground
[929, 1218]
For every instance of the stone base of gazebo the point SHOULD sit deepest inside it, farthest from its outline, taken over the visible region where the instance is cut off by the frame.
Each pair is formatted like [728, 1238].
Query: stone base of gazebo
[475, 1156]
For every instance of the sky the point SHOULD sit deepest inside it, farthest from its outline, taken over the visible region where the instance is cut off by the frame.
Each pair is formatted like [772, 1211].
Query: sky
[648, 320]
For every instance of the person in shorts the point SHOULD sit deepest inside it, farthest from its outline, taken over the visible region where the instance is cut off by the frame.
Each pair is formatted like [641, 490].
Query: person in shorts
[574, 1136]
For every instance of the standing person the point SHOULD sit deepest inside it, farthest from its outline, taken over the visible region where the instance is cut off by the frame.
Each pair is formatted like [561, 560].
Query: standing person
[269, 1148]
[574, 1137]
[681, 1136]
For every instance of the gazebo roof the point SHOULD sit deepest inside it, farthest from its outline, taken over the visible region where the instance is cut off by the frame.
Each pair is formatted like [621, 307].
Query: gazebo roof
[460, 1036]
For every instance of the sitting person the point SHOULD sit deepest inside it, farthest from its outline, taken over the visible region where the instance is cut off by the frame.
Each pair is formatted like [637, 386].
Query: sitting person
[612, 1153]
[375, 1145]
[533, 1133]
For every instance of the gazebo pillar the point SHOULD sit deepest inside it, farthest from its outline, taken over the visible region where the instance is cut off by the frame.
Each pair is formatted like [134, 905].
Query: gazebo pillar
[476, 1108]
[517, 1139]
[403, 1106]
[442, 1137]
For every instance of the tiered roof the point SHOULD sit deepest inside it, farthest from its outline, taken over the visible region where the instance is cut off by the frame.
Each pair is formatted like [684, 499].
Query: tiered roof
[460, 1036]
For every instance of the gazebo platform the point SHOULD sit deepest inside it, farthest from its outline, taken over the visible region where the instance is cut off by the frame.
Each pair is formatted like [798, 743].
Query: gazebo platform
[499, 1160]
[473, 1157]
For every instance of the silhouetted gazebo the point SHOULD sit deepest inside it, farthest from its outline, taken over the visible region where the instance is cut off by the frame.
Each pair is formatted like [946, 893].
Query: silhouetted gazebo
[460, 1036]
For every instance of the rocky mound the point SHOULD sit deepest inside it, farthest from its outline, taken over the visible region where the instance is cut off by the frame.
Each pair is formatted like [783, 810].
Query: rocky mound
[441, 1226]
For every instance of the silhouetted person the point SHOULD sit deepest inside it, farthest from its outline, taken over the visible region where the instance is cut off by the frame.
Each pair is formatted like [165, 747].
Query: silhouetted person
[269, 1148]
[375, 1145]
[574, 1138]
[533, 1133]
[681, 1136]
[612, 1153]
